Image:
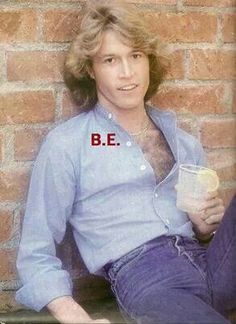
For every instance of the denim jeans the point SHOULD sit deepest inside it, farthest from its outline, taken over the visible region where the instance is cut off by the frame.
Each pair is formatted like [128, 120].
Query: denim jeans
[172, 279]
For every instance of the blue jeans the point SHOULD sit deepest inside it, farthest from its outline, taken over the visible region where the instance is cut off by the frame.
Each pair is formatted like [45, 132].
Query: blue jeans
[172, 279]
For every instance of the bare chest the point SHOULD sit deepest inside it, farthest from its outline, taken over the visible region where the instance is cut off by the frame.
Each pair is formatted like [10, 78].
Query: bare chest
[157, 152]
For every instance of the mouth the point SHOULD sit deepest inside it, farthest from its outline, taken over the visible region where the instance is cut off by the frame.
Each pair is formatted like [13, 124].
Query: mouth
[128, 87]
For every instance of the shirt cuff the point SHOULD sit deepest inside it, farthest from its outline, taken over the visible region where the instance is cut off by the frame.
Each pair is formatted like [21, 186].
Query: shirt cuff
[43, 288]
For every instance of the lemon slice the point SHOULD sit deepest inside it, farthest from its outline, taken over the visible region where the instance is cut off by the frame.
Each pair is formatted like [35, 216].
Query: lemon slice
[209, 179]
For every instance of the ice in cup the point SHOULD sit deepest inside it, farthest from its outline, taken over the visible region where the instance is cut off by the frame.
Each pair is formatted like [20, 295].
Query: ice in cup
[194, 182]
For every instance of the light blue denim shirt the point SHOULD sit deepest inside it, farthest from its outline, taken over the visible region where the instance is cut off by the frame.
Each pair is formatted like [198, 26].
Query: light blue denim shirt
[109, 195]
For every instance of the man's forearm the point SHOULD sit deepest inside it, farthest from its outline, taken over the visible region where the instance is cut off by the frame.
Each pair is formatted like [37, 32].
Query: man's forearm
[66, 310]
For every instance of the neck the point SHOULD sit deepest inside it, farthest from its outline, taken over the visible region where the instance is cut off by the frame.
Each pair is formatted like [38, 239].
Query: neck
[132, 120]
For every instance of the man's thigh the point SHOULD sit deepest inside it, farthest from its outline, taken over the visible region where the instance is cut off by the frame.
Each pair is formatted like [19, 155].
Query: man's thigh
[159, 280]
[173, 306]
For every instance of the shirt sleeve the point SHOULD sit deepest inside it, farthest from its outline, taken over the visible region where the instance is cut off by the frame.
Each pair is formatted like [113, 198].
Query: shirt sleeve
[49, 205]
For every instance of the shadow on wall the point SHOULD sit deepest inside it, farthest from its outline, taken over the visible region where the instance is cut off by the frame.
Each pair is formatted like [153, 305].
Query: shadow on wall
[86, 286]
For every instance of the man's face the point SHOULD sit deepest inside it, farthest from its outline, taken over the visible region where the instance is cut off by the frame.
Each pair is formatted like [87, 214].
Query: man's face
[121, 74]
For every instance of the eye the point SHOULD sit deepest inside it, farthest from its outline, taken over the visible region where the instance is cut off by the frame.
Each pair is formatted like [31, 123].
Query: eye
[137, 55]
[109, 60]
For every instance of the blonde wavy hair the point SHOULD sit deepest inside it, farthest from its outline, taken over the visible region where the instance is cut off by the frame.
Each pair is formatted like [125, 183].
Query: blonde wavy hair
[96, 18]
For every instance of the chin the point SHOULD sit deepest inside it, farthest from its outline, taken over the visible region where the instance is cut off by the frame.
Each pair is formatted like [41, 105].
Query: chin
[131, 105]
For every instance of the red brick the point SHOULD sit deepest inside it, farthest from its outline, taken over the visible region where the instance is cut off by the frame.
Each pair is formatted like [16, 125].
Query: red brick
[164, 2]
[67, 1]
[183, 27]
[228, 30]
[35, 66]
[219, 133]
[69, 107]
[1, 147]
[197, 100]
[49, 2]
[18, 26]
[7, 302]
[27, 143]
[224, 162]
[7, 264]
[210, 3]
[13, 185]
[129, 1]
[2, 66]
[212, 65]
[227, 194]
[6, 220]
[27, 107]
[189, 126]
[60, 25]
[176, 68]
[234, 101]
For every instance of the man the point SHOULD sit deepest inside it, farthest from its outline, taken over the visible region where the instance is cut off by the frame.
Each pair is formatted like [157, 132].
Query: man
[111, 172]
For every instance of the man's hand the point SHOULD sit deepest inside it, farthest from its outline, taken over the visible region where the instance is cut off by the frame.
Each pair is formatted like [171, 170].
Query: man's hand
[67, 311]
[210, 214]
[100, 320]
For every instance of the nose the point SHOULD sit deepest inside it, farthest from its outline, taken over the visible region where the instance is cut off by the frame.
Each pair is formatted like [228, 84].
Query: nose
[126, 69]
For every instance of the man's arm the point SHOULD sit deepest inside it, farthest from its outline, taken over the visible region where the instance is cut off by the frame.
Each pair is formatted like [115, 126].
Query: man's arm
[49, 206]
[66, 310]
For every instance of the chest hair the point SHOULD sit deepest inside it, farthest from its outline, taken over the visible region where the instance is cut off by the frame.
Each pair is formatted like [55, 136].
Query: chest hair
[156, 151]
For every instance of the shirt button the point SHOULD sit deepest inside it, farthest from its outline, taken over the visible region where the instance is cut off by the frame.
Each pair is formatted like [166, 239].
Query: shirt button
[142, 167]
[156, 194]
[128, 143]
[110, 116]
[167, 221]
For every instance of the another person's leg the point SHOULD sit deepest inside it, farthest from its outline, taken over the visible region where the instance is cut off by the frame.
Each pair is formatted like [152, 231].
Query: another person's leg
[159, 283]
[221, 261]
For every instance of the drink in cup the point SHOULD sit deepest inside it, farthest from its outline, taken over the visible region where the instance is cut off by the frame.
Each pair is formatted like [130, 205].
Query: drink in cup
[194, 183]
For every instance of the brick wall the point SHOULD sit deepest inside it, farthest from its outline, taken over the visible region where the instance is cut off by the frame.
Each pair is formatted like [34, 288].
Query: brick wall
[34, 36]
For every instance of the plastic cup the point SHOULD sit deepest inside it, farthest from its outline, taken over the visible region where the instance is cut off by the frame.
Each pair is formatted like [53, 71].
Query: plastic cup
[194, 182]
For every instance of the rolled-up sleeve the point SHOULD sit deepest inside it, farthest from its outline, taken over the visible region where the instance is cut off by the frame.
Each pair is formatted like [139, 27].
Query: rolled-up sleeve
[49, 205]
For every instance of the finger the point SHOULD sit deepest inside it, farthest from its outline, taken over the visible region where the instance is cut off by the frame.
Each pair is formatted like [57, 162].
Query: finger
[211, 195]
[214, 219]
[208, 228]
[214, 202]
[100, 320]
[212, 211]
